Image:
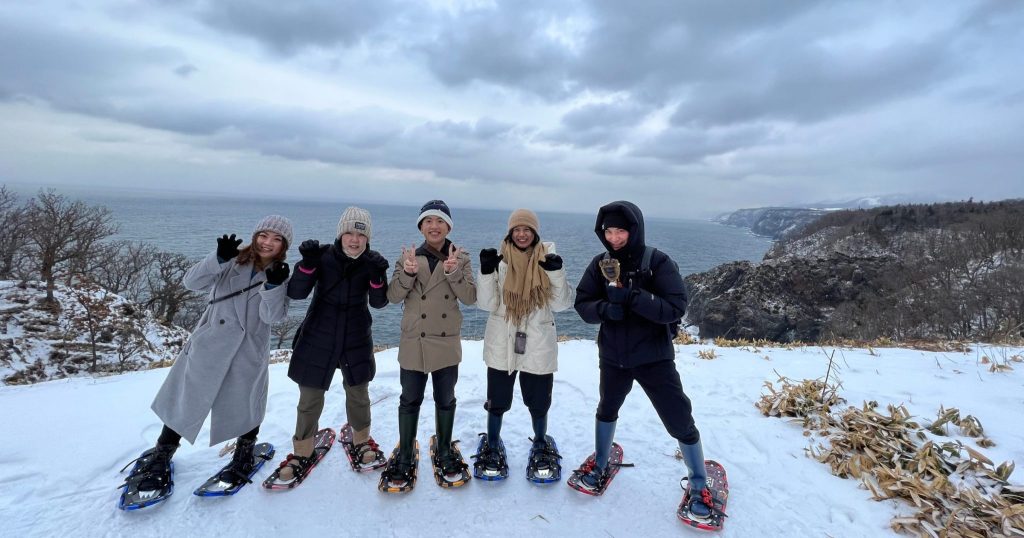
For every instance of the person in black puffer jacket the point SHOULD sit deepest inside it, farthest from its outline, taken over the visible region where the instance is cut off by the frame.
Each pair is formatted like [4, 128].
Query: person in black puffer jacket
[636, 314]
[336, 335]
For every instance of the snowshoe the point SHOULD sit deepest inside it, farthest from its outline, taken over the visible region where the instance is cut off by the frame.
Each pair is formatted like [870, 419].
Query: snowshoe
[150, 481]
[398, 477]
[545, 462]
[245, 463]
[587, 480]
[301, 466]
[490, 462]
[714, 495]
[355, 452]
[450, 471]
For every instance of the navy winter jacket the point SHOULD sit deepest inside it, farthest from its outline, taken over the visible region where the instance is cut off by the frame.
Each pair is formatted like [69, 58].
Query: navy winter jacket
[655, 300]
[336, 331]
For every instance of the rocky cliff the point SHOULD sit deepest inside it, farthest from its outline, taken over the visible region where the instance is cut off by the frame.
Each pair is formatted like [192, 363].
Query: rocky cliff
[949, 271]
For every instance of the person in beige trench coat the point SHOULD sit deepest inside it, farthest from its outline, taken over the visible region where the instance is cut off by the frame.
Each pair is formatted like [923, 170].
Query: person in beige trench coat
[430, 280]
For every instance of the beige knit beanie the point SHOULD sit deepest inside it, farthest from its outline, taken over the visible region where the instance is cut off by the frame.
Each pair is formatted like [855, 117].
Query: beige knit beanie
[355, 220]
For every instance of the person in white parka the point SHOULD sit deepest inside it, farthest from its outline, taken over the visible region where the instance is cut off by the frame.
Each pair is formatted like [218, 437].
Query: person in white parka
[521, 288]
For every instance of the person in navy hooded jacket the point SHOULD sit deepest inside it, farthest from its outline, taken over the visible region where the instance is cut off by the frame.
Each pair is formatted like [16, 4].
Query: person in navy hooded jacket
[636, 313]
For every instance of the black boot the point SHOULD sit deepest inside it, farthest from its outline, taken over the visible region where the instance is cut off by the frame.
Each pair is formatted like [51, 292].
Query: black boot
[444, 458]
[407, 425]
[151, 478]
[241, 465]
[401, 469]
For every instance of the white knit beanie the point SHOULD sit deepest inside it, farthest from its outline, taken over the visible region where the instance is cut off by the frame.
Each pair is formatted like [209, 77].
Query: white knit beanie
[276, 224]
[355, 220]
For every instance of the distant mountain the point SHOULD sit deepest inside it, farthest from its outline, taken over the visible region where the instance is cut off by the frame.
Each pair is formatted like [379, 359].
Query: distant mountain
[777, 222]
[774, 222]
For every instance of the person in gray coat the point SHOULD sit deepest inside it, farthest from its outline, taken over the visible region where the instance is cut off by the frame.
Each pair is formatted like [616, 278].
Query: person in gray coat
[222, 369]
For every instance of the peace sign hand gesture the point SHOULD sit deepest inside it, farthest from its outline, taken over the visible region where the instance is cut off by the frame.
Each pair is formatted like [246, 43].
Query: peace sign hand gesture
[410, 264]
[452, 262]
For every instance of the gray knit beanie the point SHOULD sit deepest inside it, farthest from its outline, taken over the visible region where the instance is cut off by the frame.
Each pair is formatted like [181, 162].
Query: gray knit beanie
[355, 220]
[276, 224]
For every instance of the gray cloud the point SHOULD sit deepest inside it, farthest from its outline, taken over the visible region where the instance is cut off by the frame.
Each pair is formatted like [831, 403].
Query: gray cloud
[598, 125]
[682, 145]
[504, 44]
[185, 70]
[742, 102]
[288, 27]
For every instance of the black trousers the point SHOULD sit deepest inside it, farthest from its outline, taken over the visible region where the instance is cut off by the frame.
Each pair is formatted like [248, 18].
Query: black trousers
[171, 437]
[415, 383]
[660, 380]
[536, 391]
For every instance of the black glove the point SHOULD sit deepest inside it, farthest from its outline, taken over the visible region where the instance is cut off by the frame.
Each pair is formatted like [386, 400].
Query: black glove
[378, 266]
[614, 312]
[551, 262]
[227, 247]
[277, 273]
[617, 295]
[489, 259]
[310, 251]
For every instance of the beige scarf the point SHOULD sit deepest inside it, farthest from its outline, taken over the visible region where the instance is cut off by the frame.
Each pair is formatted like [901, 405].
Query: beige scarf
[526, 287]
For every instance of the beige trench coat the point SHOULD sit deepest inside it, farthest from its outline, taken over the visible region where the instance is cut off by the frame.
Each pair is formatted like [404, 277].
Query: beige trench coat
[431, 321]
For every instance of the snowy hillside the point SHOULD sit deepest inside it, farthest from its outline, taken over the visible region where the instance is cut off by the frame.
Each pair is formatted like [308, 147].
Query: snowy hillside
[64, 441]
[38, 344]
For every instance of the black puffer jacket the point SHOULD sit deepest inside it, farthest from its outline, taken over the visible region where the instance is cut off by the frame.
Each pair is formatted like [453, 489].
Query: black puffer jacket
[336, 332]
[656, 299]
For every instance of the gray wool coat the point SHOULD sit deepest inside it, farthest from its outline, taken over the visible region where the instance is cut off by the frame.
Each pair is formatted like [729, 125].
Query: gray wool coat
[222, 370]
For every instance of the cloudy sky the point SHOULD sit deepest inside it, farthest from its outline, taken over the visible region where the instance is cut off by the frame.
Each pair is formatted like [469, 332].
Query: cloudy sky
[688, 108]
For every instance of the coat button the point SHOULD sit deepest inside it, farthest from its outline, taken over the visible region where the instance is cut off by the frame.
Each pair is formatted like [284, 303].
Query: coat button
[444, 315]
[424, 297]
[445, 296]
[423, 316]
[442, 333]
[424, 334]
[222, 322]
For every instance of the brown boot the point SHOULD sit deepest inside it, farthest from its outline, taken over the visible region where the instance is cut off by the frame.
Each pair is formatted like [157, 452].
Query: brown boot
[297, 461]
[366, 449]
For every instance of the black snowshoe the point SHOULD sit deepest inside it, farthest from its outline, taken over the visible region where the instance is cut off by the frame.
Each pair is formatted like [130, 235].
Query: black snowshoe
[151, 480]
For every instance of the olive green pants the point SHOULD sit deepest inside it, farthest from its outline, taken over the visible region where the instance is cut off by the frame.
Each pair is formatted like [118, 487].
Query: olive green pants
[311, 405]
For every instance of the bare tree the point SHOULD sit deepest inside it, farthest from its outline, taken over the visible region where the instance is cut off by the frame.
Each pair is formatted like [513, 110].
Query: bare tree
[125, 269]
[14, 223]
[94, 309]
[62, 232]
[168, 296]
[285, 329]
[130, 341]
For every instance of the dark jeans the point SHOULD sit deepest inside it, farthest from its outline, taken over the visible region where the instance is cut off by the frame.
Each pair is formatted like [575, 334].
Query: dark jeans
[171, 437]
[536, 391]
[414, 383]
[660, 380]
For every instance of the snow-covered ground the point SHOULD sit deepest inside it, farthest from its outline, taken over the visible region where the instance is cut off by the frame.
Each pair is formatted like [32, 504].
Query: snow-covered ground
[38, 344]
[64, 441]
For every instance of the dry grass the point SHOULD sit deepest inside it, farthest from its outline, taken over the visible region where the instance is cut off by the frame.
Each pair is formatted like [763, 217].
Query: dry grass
[684, 338]
[955, 490]
[802, 402]
[707, 354]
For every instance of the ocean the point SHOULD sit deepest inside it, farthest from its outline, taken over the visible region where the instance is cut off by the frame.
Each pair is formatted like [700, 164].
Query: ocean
[190, 224]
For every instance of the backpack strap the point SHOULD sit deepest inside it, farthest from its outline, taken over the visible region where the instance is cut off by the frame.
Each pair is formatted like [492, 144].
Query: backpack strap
[645, 261]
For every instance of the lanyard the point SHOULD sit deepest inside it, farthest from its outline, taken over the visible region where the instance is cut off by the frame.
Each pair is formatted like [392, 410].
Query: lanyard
[235, 294]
